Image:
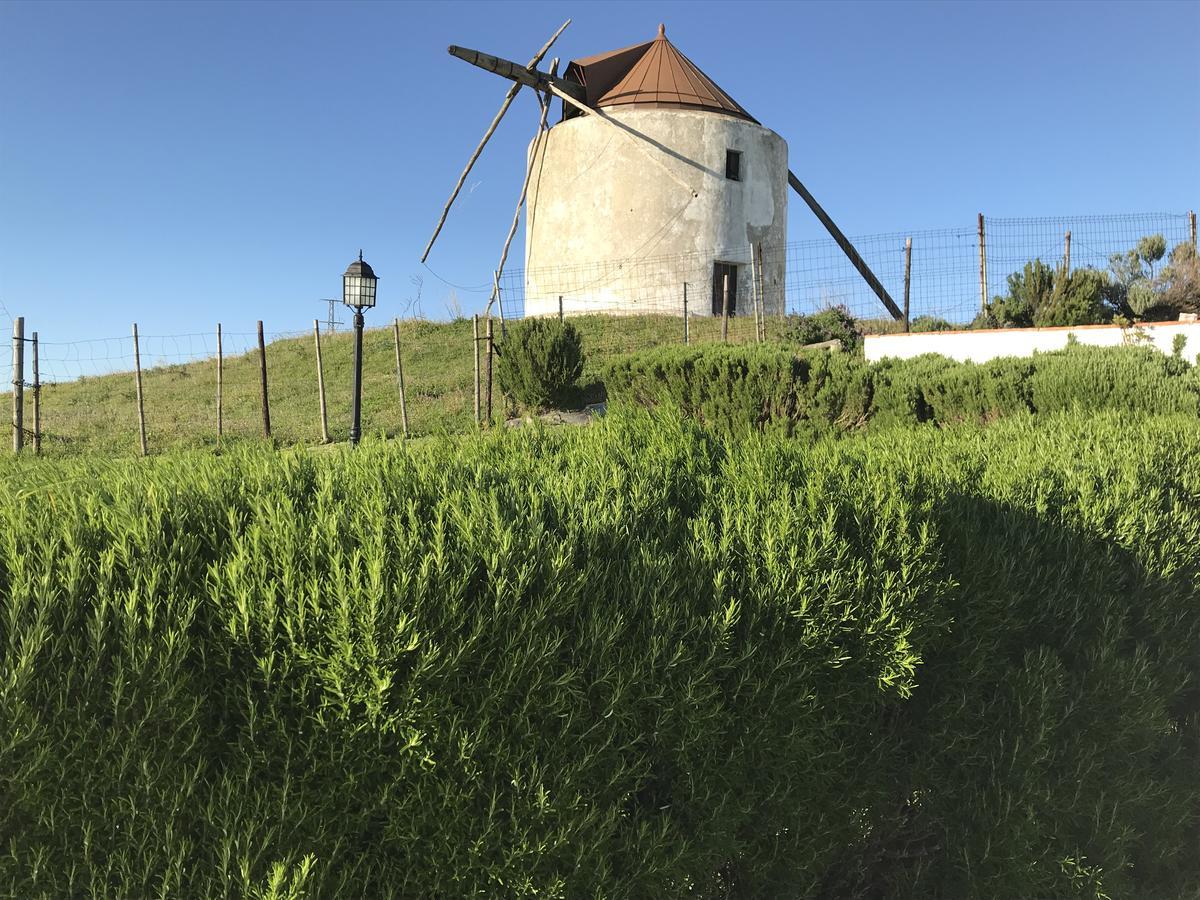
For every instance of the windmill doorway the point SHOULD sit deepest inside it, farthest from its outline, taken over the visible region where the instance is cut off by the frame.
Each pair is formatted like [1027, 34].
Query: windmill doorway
[720, 270]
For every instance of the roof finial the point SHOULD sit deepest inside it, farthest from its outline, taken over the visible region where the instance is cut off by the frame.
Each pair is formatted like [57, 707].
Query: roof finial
[360, 256]
[662, 30]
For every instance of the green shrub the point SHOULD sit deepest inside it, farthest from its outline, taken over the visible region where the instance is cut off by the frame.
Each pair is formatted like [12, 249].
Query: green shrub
[540, 362]
[1028, 290]
[935, 389]
[766, 388]
[1126, 378]
[1041, 296]
[633, 660]
[1077, 299]
[930, 323]
[834, 323]
[748, 387]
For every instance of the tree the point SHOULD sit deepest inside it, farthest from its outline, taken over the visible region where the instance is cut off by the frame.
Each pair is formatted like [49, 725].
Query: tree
[1039, 295]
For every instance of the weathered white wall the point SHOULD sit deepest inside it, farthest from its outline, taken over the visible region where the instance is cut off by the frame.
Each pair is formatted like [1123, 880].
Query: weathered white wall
[598, 197]
[985, 344]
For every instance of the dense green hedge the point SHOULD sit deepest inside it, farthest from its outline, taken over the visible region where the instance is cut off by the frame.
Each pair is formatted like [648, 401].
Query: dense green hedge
[770, 388]
[632, 660]
[539, 362]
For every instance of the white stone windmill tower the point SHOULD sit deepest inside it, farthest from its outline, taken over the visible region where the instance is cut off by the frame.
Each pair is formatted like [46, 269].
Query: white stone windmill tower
[654, 177]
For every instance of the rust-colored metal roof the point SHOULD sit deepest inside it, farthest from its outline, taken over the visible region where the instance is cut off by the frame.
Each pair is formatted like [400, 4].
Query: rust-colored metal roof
[651, 73]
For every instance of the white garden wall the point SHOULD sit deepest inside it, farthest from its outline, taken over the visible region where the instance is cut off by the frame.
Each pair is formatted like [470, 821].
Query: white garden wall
[985, 344]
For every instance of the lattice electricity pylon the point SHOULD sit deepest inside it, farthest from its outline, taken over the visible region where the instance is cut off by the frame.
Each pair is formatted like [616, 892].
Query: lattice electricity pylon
[330, 322]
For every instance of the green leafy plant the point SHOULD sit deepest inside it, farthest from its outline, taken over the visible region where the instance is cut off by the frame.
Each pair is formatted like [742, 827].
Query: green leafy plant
[540, 362]
[641, 659]
[930, 323]
[1135, 292]
[766, 388]
[1041, 296]
[834, 323]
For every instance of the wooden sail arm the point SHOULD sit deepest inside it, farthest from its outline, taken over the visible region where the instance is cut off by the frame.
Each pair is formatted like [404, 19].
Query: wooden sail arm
[526, 75]
[508, 99]
[844, 242]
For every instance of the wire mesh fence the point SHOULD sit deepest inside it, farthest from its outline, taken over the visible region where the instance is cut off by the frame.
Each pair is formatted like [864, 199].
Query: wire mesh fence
[88, 397]
[807, 276]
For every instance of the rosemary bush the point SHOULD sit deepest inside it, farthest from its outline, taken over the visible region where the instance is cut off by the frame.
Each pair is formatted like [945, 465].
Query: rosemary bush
[767, 387]
[633, 660]
[539, 362]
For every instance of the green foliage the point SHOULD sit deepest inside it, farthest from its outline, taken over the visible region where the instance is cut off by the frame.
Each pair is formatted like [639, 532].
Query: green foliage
[1077, 299]
[834, 323]
[1137, 292]
[1177, 344]
[1028, 290]
[930, 323]
[1041, 296]
[748, 388]
[766, 388]
[1129, 378]
[1179, 280]
[633, 660]
[539, 362]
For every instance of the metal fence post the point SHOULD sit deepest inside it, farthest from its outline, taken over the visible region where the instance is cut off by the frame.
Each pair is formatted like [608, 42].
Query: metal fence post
[686, 336]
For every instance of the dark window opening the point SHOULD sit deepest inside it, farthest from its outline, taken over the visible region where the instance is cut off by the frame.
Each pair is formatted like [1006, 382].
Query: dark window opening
[733, 165]
[720, 271]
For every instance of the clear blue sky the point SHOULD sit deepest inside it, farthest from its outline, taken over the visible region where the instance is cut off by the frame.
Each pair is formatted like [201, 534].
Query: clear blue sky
[185, 163]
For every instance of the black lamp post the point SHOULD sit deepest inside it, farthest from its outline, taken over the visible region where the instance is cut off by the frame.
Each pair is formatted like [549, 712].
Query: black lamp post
[358, 291]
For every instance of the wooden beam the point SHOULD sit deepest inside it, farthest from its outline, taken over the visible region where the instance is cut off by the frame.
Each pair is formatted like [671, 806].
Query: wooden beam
[529, 76]
[512, 230]
[844, 242]
[487, 135]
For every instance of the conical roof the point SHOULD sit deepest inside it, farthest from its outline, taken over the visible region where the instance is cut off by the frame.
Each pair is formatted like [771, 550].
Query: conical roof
[654, 73]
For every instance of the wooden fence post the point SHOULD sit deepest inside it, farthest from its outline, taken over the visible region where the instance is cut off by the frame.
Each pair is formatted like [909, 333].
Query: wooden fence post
[321, 383]
[220, 386]
[907, 274]
[475, 355]
[560, 308]
[400, 378]
[1067, 254]
[37, 400]
[18, 384]
[725, 308]
[490, 347]
[1192, 225]
[982, 267]
[137, 366]
[262, 366]
[686, 336]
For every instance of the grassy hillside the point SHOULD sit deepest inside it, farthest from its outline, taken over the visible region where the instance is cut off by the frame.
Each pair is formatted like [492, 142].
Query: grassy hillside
[100, 413]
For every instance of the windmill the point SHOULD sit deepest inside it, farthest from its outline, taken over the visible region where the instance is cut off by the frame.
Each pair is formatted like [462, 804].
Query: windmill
[651, 159]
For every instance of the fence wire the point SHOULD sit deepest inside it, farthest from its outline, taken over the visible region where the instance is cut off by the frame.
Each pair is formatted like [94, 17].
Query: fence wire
[944, 280]
[89, 397]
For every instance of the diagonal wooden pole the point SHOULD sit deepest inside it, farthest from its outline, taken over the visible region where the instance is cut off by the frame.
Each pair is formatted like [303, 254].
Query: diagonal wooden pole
[844, 242]
[487, 136]
[512, 229]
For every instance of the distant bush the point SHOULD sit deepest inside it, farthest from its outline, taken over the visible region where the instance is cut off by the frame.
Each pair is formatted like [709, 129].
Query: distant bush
[1041, 296]
[539, 362]
[834, 323]
[768, 388]
[1132, 289]
[930, 323]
